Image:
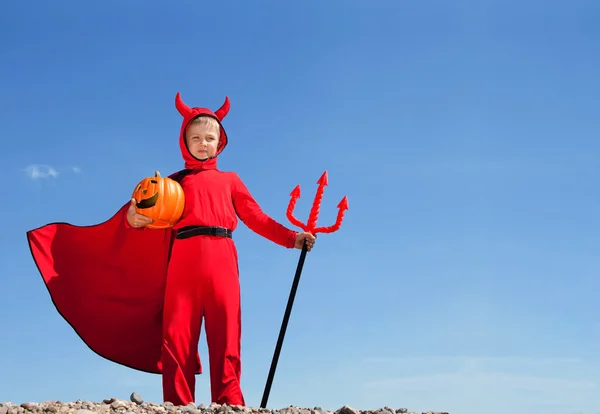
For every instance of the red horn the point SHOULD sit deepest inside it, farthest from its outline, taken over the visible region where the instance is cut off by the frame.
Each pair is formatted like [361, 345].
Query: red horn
[183, 109]
[223, 110]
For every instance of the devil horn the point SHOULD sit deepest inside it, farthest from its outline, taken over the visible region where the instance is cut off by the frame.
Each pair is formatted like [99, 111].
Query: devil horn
[223, 110]
[183, 109]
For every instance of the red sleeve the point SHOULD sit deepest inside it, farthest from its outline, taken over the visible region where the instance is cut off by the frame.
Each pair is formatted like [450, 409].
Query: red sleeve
[252, 215]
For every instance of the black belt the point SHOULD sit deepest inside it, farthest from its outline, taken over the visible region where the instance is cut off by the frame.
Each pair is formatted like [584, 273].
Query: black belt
[191, 231]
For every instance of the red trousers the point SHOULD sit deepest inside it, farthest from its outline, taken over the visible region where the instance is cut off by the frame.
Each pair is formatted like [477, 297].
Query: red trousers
[202, 283]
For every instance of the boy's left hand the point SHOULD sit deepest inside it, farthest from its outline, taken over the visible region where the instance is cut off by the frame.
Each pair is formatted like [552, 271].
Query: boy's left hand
[301, 237]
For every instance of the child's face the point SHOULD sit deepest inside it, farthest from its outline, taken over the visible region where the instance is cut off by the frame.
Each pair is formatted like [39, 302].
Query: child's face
[202, 140]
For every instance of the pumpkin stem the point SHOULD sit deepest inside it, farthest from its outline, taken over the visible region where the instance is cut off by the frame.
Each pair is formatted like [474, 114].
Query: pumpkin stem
[156, 174]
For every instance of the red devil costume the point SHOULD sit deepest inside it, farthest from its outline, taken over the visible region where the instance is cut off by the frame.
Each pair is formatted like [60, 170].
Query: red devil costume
[138, 296]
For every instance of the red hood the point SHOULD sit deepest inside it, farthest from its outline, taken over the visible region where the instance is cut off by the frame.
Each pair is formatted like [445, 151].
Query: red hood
[190, 113]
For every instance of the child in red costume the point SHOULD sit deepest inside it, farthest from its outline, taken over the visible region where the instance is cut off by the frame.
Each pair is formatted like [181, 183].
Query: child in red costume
[137, 296]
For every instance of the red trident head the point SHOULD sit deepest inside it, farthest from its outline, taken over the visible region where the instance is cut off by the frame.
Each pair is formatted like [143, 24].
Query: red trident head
[311, 225]
[191, 113]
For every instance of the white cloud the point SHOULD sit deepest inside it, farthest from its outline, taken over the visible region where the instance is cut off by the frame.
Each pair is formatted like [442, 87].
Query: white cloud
[43, 171]
[37, 171]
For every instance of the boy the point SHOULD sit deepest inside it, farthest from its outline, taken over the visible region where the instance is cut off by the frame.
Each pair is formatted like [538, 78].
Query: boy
[137, 296]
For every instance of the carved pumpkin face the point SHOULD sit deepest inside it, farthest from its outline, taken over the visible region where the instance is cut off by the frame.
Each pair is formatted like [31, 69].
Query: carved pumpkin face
[161, 199]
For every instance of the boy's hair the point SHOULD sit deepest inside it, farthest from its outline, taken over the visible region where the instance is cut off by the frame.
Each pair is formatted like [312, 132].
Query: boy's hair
[203, 119]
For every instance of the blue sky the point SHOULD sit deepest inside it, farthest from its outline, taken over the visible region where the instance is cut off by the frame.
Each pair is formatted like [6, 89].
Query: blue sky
[465, 135]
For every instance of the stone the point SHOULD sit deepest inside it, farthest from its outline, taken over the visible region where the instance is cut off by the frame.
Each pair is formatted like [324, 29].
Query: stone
[136, 398]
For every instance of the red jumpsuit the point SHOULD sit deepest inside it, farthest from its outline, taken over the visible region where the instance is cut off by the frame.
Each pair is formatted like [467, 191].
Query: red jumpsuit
[203, 281]
[138, 296]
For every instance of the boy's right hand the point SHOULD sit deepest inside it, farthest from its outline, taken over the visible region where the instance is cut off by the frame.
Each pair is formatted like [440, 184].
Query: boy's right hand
[136, 219]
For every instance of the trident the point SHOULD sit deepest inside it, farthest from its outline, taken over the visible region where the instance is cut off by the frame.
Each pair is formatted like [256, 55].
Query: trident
[310, 227]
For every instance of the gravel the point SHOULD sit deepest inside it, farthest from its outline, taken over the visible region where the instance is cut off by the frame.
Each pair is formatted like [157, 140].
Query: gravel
[138, 406]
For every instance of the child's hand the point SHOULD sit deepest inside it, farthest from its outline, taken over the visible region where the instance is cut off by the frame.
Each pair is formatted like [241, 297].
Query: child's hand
[301, 237]
[136, 219]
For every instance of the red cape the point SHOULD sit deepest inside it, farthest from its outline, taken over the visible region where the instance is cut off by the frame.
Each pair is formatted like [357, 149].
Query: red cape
[108, 280]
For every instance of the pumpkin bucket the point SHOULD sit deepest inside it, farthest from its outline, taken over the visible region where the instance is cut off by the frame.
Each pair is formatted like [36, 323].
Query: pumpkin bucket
[161, 199]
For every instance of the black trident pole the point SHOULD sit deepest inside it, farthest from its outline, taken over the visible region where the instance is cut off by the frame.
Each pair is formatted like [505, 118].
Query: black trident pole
[284, 324]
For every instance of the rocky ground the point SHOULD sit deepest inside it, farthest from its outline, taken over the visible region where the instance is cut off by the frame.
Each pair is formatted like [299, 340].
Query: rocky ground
[138, 406]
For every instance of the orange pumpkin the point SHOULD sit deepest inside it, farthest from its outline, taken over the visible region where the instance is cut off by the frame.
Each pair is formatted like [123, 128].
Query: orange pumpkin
[161, 199]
